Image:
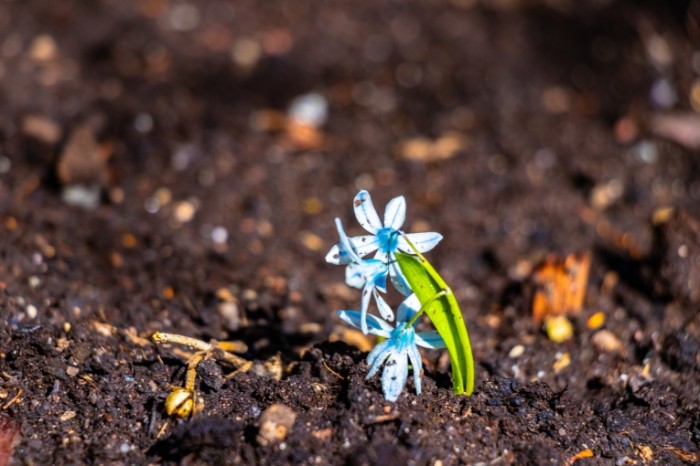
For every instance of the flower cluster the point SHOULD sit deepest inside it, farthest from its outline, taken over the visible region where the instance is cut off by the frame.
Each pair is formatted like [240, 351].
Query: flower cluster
[370, 275]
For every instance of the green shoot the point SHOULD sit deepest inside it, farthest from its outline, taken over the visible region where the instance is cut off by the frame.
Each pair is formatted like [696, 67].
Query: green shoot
[439, 303]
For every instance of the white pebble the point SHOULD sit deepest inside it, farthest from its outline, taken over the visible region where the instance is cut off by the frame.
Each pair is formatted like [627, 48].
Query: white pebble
[516, 352]
[31, 311]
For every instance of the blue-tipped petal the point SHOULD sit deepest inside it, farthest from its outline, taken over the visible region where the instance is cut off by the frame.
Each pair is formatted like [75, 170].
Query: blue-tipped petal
[379, 279]
[377, 356]
[417, 363]
[423, 241]
[366, 213]
[394, 376]
[408, 308]
[430, 339]
[338, 255]
[376, 326]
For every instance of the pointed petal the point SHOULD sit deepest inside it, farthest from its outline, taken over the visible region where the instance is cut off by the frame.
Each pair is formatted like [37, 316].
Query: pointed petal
[395, 213]
[384, 309]
[345, 245]
[377, 356]
[417, 364]
[394, 375]
[376, 326]
[365, 244]
[408, 308]
[398, 279]
[366, 213]
[338, 255]
[366, 295]
[423, 241]
[430, 339]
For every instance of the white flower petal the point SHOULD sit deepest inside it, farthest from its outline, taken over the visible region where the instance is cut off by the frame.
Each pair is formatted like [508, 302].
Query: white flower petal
[417, 364]
[365, 244]
[408, 308]
[384, 309]
[377, 356]
[346, 245]
[366, 295]
[338, 256]
[398, 279]
[394, 375]
[395, 213]
[423, 241]
[354, 276]
[430, 339]
[382, 256]
[376, 326]
[366, 213]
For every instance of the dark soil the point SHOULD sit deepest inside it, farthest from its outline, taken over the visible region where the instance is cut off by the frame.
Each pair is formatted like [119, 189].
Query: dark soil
[154, 107]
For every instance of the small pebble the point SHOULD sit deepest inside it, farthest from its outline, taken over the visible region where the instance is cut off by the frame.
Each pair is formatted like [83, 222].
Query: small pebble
[246, 52]
[34, 281]
[42, 128]
[219, 235]
[563, 361]
[275, 423]
[516, 352]
[67, 416]
[231, 315]
[311, 241]
[184, 211]
[31, 311]
[606, 341]
[43, 48]
[72, 371]
[79, 195]
[309, 109]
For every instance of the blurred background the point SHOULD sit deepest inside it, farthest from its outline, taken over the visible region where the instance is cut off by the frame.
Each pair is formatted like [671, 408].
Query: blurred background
[177, 166]
[170, 149]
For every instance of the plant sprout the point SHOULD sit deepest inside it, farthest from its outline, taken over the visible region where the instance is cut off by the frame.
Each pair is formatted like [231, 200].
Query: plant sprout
[399, 255]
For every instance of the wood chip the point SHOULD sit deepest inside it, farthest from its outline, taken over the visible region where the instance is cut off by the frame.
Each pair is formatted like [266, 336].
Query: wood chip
[422, 149]
[42, 128]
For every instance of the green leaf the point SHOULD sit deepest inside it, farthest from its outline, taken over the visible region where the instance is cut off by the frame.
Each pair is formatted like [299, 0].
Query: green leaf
[439, 303]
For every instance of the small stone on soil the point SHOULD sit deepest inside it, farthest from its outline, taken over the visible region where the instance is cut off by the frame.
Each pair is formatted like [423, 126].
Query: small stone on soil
[606, 341]
[275, 423]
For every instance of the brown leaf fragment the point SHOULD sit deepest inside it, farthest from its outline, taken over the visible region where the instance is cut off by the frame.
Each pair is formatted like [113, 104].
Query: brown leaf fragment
[560, 285]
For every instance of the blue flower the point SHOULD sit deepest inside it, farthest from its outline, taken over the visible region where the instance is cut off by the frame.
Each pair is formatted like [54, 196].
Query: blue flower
[400, 347]
[368, 274]
[386, 237]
